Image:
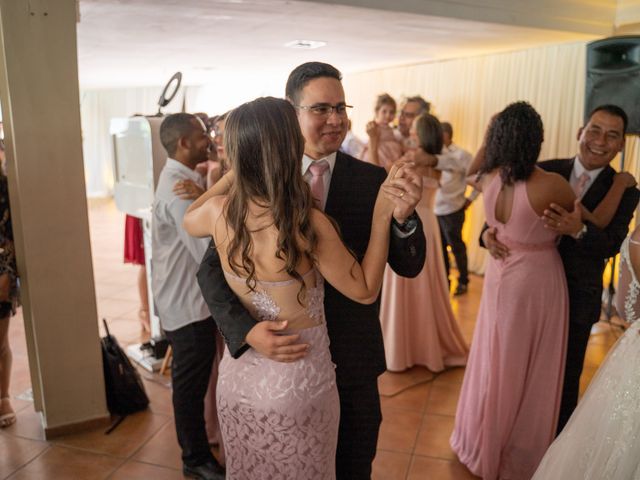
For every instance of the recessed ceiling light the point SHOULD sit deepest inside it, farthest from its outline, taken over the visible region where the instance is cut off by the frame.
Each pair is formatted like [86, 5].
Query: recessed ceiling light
[305, 44]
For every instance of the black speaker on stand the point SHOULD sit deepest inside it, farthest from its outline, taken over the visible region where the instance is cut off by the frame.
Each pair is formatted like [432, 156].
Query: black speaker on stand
[613, 78]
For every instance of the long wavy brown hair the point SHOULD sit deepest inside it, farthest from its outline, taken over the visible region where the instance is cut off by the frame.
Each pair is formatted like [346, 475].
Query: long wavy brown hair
[264, 145]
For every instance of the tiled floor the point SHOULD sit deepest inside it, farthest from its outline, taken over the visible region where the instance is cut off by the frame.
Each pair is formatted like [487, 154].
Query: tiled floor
[418, 407]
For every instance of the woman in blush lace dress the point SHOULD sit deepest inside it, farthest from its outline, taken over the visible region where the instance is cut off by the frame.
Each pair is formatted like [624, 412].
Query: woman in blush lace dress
[602, 438]
[280, 420]
[510, 398]
[418, 324]
[383, 148]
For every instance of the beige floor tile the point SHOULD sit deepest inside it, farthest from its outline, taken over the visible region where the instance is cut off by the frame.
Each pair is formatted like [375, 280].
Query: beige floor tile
[158, 390]
[126, 331]
[124, 441]
[443, 398]
[452, 376]
[398, 430]
[162, 449]
[144, 471]
[433, 437]
[425, 468]
[414, 398]
[16, 452]
[392, 383]
[110, 309]
[390, 465]
[28, 425]
[67, 463]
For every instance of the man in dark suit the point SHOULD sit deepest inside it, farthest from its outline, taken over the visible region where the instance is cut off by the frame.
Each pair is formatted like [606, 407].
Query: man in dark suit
[584, 248]
[348, 195]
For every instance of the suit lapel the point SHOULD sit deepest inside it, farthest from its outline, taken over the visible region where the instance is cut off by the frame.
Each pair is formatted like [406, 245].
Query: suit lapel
[566, 169]
[339, 187]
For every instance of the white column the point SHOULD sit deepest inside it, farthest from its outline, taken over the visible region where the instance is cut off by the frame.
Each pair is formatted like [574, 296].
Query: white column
[41, 114]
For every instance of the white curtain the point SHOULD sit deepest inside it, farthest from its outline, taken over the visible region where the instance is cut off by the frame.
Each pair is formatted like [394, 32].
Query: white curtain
[467, 92]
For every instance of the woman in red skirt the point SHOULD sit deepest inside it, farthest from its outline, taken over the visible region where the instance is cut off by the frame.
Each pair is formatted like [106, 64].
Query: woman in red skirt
[134, 253]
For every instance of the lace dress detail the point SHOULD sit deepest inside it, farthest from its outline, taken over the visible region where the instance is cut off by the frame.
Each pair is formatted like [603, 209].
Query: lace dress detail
[280, 420]
[628, 286]
[602, 438]
[265, 306]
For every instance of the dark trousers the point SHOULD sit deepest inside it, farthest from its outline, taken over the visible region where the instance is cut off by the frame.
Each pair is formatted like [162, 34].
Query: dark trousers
[360, 419]
[451, 234]
[576, 348]
[194, 347]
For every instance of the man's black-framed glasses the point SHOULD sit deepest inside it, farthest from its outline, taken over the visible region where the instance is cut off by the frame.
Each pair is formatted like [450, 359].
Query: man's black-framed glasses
[326, 109]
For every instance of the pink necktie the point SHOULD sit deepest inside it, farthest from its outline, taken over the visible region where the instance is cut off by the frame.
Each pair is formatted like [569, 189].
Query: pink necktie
[582, 183]
[317, 170]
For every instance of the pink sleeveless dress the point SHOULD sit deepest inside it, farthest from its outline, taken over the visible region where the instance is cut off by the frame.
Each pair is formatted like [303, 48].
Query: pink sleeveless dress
[418, 324]
[510, 398]
[280, 420]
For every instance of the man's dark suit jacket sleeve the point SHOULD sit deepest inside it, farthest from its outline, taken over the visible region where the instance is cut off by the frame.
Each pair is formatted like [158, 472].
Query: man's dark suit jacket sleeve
[407, 255]
[605, 243]
[233, 320]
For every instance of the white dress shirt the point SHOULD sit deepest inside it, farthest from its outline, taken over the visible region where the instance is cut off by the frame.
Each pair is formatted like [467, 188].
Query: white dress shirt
[453, 163]
[576, 173]
[176, 255]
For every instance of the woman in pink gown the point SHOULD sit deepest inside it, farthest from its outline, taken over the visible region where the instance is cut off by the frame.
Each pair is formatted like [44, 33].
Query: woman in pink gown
[383, 148]
[418, 324]
[510, 399]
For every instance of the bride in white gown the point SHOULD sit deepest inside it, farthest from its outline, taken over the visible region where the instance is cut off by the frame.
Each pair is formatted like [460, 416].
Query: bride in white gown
[602, 439]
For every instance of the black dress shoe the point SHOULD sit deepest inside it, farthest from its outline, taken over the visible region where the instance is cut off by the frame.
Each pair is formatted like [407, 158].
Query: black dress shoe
[461, 289]
[206, 471]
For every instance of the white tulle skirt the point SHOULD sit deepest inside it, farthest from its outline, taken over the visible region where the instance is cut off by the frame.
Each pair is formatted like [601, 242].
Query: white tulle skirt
[602, 438]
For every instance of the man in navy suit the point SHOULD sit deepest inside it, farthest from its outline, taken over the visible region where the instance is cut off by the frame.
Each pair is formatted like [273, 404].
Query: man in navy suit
[350, 190]
[584, 248]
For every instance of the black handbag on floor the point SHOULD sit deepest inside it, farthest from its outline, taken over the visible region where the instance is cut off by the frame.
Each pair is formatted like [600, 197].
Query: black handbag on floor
[125, 390]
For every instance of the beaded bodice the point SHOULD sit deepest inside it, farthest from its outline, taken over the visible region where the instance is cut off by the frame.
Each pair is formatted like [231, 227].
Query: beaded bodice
[279, 300]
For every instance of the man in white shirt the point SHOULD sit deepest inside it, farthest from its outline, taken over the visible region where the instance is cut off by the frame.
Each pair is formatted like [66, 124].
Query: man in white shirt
[451, 204]
[183, 313]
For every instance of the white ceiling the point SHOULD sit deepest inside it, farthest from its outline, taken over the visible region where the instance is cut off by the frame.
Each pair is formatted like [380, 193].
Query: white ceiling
[124, 43]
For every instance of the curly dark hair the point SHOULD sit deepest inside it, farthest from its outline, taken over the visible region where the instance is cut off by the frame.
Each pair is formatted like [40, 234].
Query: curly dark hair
[513, 143]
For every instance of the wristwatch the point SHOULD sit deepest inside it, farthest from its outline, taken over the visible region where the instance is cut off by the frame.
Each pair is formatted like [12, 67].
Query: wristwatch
[408, 225]
[581, 233]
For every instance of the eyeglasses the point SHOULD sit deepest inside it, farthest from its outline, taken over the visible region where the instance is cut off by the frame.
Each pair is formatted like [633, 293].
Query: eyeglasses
[326, 109]
[408, 114]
